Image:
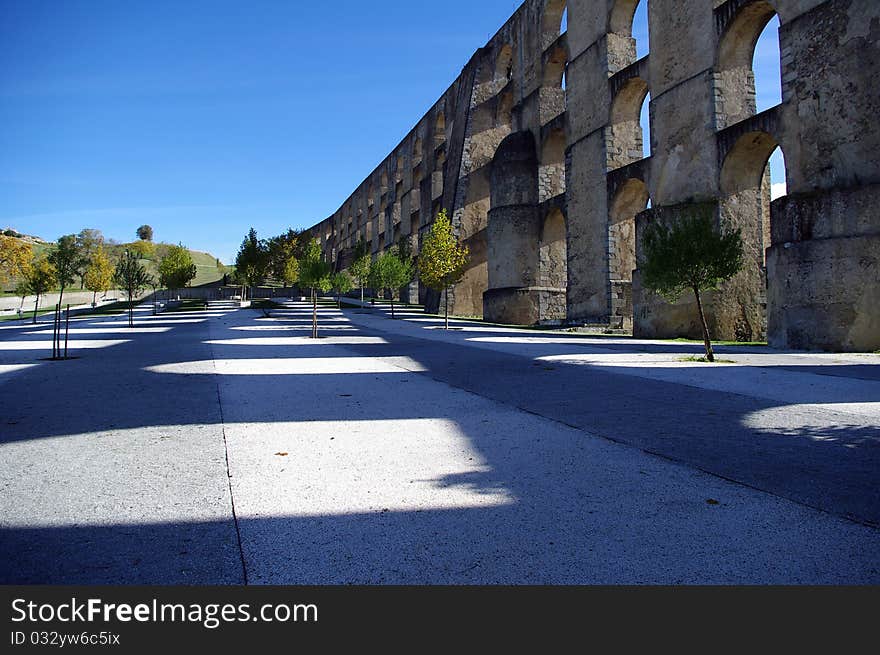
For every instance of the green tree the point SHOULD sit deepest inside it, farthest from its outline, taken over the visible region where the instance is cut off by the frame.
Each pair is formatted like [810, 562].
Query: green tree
[98, 275]
[340, 283]
[66, 259]
[177, 270]
[690, 254]
[143, 249]
[390, 272]
[88, 241]
[145, 233]
[360, 267]
[132, 276]
[40, 278]
[314, 274]
[442, 260]
[280, 250]
[252, 261]
[15, 257]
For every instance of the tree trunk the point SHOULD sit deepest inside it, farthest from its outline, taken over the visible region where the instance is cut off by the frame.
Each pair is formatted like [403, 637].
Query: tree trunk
[446, 307]
[130, 310]
[61, 295]
[314, 314]
[362, 295]
[392, 308]
[36, 306]
[94, 298]
[710, 356]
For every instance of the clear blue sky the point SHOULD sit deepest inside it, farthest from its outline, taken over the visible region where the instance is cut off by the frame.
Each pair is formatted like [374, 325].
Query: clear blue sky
[203, 118]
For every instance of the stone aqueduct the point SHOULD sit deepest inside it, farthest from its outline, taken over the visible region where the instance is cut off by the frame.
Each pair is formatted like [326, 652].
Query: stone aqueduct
[536, 152]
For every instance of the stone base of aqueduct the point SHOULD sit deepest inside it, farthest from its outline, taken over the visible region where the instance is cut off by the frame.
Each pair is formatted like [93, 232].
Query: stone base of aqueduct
[536, 152]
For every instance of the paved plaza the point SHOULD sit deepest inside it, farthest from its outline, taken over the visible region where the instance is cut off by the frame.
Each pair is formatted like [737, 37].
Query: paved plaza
[225, 446]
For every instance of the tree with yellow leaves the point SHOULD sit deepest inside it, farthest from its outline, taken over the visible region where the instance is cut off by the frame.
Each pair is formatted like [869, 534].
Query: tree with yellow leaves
[442, 259]
[98, 275]
[15, 257]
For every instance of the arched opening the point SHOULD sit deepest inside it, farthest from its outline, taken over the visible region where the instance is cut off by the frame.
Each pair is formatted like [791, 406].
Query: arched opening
[740, 62]
[417, 152]
[553, 87]
[629, 20]
[504, 64]
[747, 189]
[554, 23]
[552, 256]
[551, 174]
[629, 125]
[440, 130]
[631, 199]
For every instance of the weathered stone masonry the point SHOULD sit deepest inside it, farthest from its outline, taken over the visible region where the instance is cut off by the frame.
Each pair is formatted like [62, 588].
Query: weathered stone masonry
[536, 152]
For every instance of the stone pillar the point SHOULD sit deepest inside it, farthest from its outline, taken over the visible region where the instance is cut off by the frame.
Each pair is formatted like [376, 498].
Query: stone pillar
[513, 234]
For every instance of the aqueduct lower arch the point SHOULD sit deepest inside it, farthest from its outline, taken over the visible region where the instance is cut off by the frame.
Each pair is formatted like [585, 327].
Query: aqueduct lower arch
[519, 162]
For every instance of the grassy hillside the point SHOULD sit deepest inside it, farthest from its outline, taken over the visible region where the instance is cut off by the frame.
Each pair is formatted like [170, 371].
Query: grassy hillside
[208, 271]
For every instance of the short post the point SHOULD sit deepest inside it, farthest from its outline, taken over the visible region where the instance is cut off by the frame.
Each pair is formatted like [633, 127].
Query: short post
[66, 331]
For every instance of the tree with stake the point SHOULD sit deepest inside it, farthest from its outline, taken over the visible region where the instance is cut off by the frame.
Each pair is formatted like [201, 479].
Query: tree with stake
[314, 274]
[690, 255]
[391, 273]
[252, 260]
[132, 276]
[340, 283]
[177, 270]
[66, 259]
[40, 278]
[360, 267]
[442, 260]
[98, 275]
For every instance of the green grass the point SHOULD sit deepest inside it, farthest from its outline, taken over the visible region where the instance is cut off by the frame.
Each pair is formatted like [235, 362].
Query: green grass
[695, 358]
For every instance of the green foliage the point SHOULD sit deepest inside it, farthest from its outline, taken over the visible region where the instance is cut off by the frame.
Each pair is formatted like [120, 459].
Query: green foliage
[67, 259]
[442, 260]
[177, 270]
[145, 233]
[131, 275]
[360, 267]
[314, 272]
[143, 249]
[689, 255]
[341, 283]
[252, 260]
[281, 250]
[390, 272]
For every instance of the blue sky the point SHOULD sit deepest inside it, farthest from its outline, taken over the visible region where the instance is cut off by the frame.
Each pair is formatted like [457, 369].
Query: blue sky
[205, 118]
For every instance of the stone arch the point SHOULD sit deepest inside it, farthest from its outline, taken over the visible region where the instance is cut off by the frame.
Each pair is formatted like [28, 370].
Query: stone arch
[746, 190]
[620, 18]
[623, 44]
[551, 22]
[625, 133]
[552, 255]
[552, 96]
[734, 75]
[551, 175]
[504, 63]
[440, 130]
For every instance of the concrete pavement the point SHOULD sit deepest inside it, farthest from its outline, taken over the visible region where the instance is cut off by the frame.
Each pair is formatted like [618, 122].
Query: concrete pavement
[392, 452]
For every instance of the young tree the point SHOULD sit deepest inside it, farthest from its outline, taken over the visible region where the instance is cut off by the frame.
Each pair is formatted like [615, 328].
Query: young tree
[143, 249]
[88, 241]
[442, 260]
[177, 270]
[314, 274]
[391, 272]
[690, 255]
[133, 277]
[15, 257]
[340, 283]
[252, 262]
[66, 260]
[145, 233]
[360, 267]
[98, 275]
[40, 278]
[280, 250]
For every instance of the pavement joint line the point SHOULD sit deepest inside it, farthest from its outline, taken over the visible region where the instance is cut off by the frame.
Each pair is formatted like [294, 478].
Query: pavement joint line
[244, 573]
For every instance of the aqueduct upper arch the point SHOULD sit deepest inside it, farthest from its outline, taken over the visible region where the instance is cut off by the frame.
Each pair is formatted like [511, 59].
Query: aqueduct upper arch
[814, 254]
